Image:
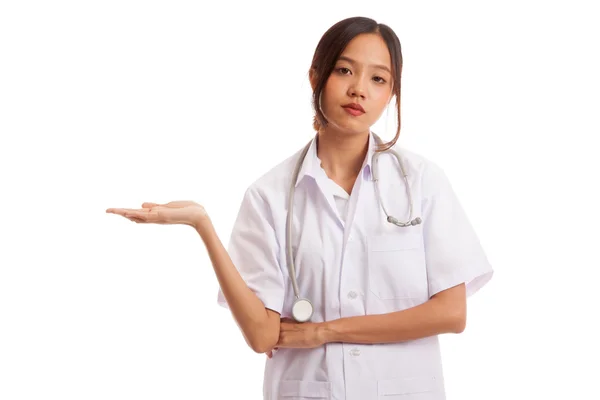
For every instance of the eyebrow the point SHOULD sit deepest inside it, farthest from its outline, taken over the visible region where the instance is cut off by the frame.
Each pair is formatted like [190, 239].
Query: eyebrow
[351, 61]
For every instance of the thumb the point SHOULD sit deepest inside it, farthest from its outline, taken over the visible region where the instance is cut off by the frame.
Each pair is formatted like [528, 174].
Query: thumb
[149, 205]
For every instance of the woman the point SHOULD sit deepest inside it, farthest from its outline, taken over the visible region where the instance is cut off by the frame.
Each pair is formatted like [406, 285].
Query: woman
[381, 293]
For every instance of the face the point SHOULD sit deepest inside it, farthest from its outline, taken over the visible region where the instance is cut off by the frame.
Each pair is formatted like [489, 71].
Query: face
[361, 76]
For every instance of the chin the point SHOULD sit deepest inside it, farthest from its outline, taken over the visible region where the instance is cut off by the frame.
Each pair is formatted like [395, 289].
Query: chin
[350, 127]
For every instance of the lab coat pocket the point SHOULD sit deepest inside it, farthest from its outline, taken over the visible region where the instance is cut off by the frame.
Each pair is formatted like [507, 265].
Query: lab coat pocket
[397, 266]
[424, 387]
[289, 390]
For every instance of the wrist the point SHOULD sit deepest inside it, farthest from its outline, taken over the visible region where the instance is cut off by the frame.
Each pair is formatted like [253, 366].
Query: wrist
[202, 224]
[325, 333]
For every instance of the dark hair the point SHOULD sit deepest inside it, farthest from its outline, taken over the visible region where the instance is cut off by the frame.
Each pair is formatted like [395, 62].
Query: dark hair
[331, 46]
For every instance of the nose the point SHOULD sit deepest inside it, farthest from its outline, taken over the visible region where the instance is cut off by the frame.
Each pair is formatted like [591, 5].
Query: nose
[356, 88]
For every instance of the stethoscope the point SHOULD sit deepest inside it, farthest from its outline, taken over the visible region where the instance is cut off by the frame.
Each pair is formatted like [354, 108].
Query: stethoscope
[302, 309]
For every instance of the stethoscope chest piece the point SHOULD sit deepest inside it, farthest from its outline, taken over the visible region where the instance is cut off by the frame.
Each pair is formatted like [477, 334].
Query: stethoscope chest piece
[302, 310]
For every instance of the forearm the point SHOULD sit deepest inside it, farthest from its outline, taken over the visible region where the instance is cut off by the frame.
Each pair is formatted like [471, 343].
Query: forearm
[430, 318]
[260, 329]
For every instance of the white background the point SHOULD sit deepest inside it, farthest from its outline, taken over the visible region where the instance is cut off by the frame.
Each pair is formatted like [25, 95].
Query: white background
[113, 103]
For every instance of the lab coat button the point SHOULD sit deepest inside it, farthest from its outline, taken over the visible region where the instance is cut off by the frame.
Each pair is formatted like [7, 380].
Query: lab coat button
[355, 352]
[352, 295]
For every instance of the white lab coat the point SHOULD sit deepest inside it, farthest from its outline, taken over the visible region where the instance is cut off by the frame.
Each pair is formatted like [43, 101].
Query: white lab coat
[356, 264]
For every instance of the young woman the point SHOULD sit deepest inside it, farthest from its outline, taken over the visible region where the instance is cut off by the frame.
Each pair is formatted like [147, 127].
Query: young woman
[350, 257]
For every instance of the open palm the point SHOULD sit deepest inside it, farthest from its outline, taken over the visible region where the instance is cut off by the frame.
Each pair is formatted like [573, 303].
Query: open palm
[175, 212]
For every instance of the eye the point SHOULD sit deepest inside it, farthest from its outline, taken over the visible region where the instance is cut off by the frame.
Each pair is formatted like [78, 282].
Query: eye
[379, 79]
[343, 70]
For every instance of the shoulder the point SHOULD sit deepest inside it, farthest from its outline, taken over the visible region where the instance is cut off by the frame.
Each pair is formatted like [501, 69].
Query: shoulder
[417, 163]
[427, 172]
[274, 183]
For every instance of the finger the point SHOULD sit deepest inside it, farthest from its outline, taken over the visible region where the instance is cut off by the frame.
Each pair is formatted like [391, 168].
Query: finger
[148, 204]
[136, 216]
[117, 211]
[179, 203]
[150, 216]
[122, 211]
[131, 214]
[270, 352]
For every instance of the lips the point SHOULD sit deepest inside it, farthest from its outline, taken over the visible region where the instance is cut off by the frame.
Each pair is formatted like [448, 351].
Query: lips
[354, 106]
[354, 109]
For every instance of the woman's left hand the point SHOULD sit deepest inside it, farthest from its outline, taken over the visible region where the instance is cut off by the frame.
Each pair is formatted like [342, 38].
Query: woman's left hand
[305, 335]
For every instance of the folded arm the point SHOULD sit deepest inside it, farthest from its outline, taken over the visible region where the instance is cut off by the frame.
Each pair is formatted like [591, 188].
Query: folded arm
[445, 312]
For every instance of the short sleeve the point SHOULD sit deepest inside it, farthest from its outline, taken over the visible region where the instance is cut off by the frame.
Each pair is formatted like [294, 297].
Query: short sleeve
[253, 248]
[453, 252]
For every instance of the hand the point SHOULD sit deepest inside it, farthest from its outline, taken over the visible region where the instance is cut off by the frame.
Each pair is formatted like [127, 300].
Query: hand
[175, 212]
[303, 335]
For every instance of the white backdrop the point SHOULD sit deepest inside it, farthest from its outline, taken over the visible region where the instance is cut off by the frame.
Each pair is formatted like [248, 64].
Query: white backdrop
[113, 103]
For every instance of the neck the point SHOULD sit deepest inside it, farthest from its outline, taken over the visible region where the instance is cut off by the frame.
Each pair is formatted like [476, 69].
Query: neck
[342, 155]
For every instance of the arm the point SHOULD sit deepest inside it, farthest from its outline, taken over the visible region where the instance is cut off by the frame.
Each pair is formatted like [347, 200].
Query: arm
[445, 312]
[260, 326]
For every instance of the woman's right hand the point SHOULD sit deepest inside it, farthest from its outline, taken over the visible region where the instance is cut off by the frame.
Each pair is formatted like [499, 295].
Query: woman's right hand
[175, 212]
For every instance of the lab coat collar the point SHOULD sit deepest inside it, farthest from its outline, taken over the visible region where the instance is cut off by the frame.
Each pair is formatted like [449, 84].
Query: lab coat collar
[312, 164]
